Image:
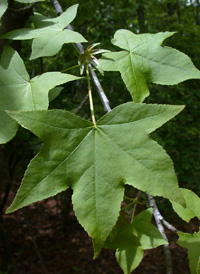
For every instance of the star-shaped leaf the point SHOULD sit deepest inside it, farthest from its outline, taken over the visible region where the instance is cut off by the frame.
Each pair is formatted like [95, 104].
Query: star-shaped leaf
[192, 208]
[144, 60]
[96, 162]
[49, 38]
[129, 239]
[3, 7]
[192, 243]
[19, 92]
[124, 240]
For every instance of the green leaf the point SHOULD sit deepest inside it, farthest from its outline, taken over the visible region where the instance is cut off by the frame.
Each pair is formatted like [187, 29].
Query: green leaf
[192, 205]
[192, 243]
[50, 37]
[144, 60]
[53, 93]
[148, 234]
[130, 258]
[3, 7]
[129, 239]
[28, 1]
[19, 92]
[96, 162]
[124, 239]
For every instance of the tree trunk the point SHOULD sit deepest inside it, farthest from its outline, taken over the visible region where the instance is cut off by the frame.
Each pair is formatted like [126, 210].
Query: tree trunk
[141, 15]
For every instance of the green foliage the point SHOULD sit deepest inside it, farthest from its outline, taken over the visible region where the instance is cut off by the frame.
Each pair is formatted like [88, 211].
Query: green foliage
[3, 7]
[53, 93]
[192, 205]
[192, 243]
[98, 159]
[144, 60]
[50, 34]
[129, 239]
[84, 160]
[19, 92]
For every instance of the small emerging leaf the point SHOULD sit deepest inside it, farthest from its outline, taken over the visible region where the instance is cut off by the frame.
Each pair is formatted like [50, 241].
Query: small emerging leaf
[88, 58]
[192, 243]
[144, 60]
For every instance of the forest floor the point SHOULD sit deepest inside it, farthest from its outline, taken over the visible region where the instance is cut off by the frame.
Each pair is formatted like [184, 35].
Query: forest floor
[37, 244]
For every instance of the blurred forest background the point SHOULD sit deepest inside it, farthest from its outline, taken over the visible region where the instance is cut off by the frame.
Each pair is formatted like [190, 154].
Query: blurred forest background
[97, 21]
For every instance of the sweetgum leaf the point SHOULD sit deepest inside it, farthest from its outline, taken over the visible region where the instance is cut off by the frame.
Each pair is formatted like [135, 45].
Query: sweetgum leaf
[144, 60]
[124, 239]
[192, 208]
[19, 92]
[129, 239]
[192, 243]
[49, 38]
[3, 7]
[148, 234]
[96, 162]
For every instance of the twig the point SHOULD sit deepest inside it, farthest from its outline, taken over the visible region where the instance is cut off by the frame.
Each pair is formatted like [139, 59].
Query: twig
[101, 92]
[95, 80]
[57, 7]
[81, 104]
[167, 252]
[169, 226]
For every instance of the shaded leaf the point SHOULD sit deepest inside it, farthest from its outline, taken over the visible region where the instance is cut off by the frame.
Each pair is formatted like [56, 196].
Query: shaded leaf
[129, 239]
[78, 155]
[192, 243]
[53, 93]
[124, 239]
[144, 60]
[148, 234]
[19, 92]
[192, 208]
[50, 37]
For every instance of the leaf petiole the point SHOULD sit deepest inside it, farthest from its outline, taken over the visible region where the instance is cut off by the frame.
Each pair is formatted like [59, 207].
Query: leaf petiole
[73, 67]
[90, 96]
